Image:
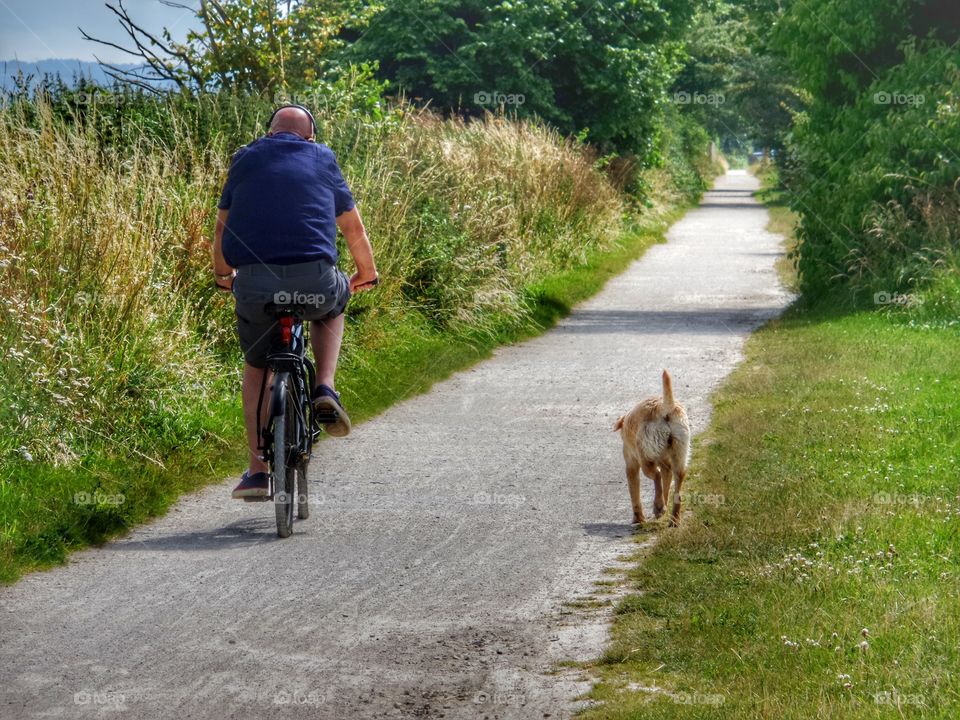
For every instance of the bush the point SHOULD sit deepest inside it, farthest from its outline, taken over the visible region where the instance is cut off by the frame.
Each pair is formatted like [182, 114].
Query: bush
[872, 183]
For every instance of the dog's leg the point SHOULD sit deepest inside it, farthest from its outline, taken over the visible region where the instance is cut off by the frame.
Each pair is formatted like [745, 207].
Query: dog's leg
[667, 475]
[652, 471]
[633, 483]
[678, 477]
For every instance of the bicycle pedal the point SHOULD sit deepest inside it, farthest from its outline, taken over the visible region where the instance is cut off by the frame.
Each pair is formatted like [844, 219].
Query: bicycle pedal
[326, 418]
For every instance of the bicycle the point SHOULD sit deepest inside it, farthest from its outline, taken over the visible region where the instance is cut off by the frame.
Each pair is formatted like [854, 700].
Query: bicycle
[286, 440]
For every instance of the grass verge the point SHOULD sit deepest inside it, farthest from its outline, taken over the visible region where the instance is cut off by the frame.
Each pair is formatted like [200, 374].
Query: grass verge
[69, 508]
[783, 220]
[816, 572]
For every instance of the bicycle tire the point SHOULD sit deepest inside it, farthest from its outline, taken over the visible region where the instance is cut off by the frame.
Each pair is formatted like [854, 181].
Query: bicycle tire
[284, 463]
[303, 494]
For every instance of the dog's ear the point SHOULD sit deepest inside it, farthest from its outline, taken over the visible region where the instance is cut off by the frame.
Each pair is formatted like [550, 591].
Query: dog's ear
[619, 424]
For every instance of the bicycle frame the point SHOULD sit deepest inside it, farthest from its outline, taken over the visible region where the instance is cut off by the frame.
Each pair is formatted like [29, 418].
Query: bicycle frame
[287, 368]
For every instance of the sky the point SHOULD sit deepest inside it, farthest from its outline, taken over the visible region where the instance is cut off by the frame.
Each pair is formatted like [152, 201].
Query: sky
[39, 29]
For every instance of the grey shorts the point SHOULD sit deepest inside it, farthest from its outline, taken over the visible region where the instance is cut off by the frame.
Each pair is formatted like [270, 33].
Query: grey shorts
[319, 287]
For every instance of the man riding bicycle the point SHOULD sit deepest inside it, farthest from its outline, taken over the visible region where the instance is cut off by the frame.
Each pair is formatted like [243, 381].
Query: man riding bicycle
[275, 240]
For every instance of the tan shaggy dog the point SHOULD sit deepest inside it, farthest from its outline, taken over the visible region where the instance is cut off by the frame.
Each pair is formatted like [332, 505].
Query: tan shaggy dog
[656, 439]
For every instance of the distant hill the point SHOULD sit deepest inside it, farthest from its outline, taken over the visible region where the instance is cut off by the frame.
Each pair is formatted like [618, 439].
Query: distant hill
[70, 71]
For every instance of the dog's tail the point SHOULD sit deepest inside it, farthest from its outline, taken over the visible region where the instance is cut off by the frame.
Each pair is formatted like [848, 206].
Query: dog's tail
[668, 400]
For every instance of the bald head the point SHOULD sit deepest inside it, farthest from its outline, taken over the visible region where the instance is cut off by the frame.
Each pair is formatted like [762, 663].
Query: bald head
[292, 120]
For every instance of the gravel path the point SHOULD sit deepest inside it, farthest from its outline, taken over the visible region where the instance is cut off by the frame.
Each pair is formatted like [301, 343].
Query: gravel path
[445, 538]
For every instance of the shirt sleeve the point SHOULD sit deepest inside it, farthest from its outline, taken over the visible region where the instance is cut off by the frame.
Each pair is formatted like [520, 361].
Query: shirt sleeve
[342, 197]
[226, 195]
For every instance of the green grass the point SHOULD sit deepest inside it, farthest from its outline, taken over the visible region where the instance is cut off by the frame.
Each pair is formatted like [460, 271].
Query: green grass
[833, 468]
[783, 220]
[47, 511]
[43, 521]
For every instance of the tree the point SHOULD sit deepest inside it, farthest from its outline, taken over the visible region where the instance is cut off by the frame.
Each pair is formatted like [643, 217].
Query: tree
[244, 45]
[732, 82]
[838, 47]
[583, 66]
[872, 167]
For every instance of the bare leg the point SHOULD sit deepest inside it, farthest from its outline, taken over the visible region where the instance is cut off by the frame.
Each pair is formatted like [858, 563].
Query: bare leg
[326, 336]
[252, 382]
[633, 483]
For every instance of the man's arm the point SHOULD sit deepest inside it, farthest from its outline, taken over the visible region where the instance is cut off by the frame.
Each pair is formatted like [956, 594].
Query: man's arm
[223, 273]
[358, 243]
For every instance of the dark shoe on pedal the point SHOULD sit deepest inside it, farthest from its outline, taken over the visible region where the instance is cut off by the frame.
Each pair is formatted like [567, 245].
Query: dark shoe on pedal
[252, 487]
[329, 412]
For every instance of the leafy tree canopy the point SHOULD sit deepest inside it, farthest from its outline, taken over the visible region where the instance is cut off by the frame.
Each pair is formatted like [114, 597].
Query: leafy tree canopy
[602, 67]
[838, 47]
[732, 83]
[243, 45]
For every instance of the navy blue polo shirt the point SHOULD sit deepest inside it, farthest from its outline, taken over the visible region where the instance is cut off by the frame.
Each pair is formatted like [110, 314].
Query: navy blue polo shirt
[284, 194]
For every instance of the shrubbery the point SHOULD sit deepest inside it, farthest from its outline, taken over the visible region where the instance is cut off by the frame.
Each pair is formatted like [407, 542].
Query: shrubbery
[873, 164]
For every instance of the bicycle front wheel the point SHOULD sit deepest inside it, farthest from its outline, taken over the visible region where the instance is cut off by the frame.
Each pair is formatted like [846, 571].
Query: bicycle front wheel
[285, 456]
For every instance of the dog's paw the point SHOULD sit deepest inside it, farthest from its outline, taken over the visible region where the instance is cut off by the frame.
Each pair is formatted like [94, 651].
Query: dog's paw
[658, 512]
[637, 519]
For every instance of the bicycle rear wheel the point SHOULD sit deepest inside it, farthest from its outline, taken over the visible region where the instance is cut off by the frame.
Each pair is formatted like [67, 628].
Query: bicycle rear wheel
[303, 495]
[303, 498]
[285, 457]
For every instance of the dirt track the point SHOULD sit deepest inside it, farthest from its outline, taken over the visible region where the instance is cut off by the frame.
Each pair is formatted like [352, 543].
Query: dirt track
[446, 533]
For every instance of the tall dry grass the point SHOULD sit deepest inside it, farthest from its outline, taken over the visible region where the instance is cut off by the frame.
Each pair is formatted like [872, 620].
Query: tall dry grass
[116, 342]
